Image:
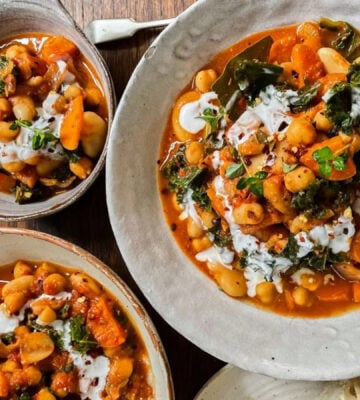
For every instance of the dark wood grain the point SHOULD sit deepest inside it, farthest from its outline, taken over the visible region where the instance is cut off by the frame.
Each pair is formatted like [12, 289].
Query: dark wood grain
[191, 367]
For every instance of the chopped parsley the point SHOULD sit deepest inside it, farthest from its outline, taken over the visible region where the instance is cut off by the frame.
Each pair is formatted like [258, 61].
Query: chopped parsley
[234, 170]
[212, 118]
[182, 177]
[253, 183]
[81, 338]
[41, 137]
[328, 161]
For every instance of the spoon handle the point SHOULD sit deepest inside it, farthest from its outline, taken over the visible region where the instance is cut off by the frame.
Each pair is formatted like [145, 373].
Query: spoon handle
[105, 30]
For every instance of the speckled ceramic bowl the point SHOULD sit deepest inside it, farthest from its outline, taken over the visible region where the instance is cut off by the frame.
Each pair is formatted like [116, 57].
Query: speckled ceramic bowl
[236, 332]
[18, 16]
[31, 245]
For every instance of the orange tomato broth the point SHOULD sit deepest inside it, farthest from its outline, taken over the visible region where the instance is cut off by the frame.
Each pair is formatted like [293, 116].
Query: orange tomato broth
[131, 346]
[330, 300]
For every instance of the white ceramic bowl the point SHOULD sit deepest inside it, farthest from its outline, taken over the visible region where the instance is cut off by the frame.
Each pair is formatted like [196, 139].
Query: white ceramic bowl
[256, 340]
[19, 16]
[30, 245]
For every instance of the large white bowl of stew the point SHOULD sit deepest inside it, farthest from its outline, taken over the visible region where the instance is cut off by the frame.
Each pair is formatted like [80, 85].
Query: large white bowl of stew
[232, 183]
[57, 102]
[70, 327]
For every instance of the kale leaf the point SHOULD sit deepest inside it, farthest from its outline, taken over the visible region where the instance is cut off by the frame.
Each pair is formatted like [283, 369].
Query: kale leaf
[338, 106]
[304, 97]
[81, 338]
[252, 76]
[346, 38]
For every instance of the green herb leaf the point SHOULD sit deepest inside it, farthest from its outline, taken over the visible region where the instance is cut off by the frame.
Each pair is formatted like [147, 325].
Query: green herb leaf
[81, 339]
[327, 161]
[288, 167]
[212, 118]
[41, 136]
[253, 183]
[234, 171]
[226, 87]
[7, 338]
[24, 396]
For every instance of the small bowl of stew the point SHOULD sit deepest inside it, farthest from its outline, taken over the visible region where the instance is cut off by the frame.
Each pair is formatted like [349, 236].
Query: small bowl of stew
[56, 107]
[70, 327]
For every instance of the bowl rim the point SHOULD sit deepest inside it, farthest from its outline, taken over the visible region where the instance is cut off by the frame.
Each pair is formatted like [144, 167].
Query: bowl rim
[147, 324]
[55, 7]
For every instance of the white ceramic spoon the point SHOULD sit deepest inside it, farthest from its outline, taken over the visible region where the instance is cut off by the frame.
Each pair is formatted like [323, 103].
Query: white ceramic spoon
[105, 30]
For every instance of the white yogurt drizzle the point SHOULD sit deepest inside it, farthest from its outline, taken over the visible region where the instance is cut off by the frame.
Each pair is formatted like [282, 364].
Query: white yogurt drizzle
[189, 116]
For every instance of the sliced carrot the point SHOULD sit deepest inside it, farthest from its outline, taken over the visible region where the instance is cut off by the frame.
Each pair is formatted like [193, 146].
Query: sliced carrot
[335, 144]
[72, 124]
[280, 50]
[102, 324]
[356, 292]
[7, 183]
[307, 64]
[4, 385]
[339, 292]
[289, 300]
[58, 48]
[355, 248]
[28, 176]
[217, 203]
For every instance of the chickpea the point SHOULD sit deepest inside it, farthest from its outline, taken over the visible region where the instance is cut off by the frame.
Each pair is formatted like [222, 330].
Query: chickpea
[311, 282]
[85, 285]
[13, 166]
[300, 132]
[231, 281]
[44, 394]
[204, 80]
[248, 213]
[207, 217]
[322, 122]
[194, 152]
[5, 108]
[302, 297]
[72, 91]
[201, 244]
[194, 230]
[23, 107]
[35, 81]
[45, 166]
[81, 168]
[44, 270]
[22, 268]
[266, 292]
[7, 134]
[47, 315]
[10, 366]
[4, 385]
[54, 283]
[299, 179]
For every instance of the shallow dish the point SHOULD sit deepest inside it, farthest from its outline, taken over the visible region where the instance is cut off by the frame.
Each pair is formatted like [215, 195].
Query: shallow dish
[22, 244]
[232, 383]
[51, 17]
[289, 348]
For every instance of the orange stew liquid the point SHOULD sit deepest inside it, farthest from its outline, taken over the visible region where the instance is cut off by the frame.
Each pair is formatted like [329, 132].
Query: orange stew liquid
[258, 170]
[53, 116]
[62, 335]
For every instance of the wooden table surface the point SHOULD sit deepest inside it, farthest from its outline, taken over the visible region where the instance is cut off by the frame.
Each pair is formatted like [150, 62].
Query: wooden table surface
[190, 366]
